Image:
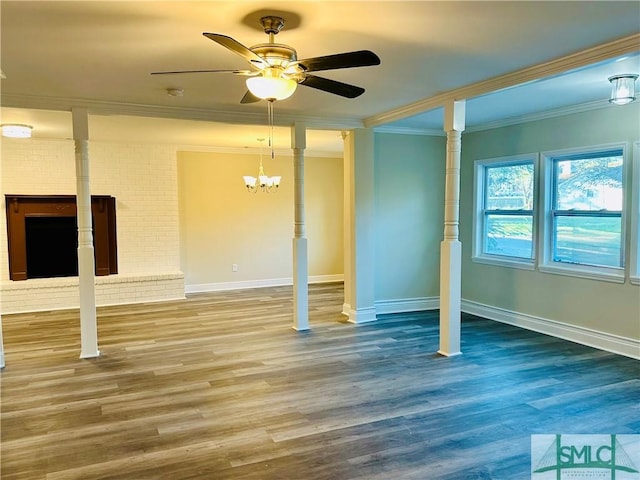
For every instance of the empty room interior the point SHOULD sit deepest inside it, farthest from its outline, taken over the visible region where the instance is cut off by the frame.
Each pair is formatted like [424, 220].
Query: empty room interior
[319, 240]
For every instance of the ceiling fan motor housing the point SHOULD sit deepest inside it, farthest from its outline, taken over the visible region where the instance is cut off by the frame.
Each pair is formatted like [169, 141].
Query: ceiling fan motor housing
[275, 54]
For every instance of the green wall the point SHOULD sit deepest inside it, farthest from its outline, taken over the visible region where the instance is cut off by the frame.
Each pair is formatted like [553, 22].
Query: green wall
[599, 305]
[409, 215]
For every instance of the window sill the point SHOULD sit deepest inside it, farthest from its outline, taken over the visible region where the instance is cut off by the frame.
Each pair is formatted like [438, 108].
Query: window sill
[504, 262]
[606, 274]
[635, 280]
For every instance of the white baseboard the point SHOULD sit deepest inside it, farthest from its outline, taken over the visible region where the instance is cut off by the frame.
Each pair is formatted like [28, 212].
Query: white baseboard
[370, 314]
[593, 338]
[407, 305]
[270, 282]
[361, 315]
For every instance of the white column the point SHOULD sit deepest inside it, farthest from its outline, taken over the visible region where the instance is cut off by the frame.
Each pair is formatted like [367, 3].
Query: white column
[300, 259]
[86, 265]
[450, 247]
[1, 346]
[359, 253]
[3, 248]
[346, 222]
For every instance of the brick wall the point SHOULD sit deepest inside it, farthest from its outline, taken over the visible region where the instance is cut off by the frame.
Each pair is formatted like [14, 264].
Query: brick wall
[142, 178]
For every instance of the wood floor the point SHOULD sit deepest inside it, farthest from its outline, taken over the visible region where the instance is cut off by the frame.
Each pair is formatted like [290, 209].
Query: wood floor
[220, 387]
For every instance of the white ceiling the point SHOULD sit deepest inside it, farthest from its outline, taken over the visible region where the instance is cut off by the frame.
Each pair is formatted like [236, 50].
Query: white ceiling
[99, 54]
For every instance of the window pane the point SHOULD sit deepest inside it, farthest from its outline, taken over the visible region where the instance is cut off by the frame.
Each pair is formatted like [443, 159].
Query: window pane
[588, 240]
[509, 187]
[589, 184]
[509, 235]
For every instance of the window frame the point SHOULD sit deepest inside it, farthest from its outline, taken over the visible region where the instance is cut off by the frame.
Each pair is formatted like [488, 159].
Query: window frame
[546, 212]
[634, 248]
[480, 213]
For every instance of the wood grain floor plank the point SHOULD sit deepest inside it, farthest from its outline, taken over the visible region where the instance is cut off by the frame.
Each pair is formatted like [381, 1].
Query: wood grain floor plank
[218, 386]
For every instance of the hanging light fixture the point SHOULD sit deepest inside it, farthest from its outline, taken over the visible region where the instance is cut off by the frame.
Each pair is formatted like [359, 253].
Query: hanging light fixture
[262, 182]
[622, 89]
[16, 130]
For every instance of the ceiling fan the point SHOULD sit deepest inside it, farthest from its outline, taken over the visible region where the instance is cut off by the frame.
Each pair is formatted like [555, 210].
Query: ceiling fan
[275, 70]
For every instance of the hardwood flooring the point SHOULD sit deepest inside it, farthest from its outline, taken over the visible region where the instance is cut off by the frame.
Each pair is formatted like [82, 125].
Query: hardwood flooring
[219, 386]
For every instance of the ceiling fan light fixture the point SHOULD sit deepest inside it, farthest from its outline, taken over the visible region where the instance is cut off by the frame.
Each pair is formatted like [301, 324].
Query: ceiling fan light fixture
[622, 89]
[271, 88]
[16, 130]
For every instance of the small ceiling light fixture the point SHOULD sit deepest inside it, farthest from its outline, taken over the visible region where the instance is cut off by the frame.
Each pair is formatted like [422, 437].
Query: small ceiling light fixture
[623, 89]
[16, 130]
[272, 85]
[262, 182]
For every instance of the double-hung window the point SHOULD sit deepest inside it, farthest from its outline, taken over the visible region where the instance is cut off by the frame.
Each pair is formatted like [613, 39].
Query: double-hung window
[504, 208]
[635, 217]
[584, 204]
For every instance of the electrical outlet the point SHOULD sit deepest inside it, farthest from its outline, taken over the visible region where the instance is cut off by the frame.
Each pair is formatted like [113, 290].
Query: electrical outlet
[234, 267]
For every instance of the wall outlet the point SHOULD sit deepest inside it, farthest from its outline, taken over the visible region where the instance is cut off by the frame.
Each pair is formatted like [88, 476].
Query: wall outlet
[234, 267]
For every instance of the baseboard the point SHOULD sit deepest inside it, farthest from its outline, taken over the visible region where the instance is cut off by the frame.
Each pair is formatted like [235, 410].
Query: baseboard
[593, 338]
[361, 315]
[245, 284]
[407, 305]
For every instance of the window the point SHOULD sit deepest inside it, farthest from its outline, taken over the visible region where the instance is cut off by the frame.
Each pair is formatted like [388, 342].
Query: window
[504, 206]
[583, 216]
[635, 217]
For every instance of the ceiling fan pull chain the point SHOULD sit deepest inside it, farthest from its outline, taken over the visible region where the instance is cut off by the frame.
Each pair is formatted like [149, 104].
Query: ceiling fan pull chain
[270, 119]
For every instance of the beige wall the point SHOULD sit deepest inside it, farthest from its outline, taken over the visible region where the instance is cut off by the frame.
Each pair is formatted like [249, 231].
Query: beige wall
[221, 224]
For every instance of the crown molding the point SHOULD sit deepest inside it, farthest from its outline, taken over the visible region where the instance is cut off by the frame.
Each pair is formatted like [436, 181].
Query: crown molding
[506, 122]
[432, 132]
[558, 66]
[279, 152]
[532, 117]
[99, 107]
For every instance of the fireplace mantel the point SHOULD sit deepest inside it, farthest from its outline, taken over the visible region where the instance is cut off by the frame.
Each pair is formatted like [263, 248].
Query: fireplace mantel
[20, 207]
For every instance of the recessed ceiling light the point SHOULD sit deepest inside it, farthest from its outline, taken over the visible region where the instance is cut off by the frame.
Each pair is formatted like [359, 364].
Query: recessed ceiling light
[16, 130]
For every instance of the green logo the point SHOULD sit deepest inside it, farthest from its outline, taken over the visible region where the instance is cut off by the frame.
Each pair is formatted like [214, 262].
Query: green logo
[585, 456]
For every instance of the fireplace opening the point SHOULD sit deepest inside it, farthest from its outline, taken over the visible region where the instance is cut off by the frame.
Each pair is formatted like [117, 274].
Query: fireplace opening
[52, 246]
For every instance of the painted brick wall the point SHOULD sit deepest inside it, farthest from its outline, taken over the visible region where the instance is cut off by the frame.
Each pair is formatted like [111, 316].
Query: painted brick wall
[142, 178]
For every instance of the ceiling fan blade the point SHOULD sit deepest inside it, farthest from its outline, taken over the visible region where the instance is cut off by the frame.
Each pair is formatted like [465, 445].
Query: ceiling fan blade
[249, 98]
[332, 86]
[237, 47]
[237, 72]
[361, 58]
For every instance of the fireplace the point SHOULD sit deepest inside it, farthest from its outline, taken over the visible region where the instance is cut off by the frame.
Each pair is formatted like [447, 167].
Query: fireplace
[42, 236]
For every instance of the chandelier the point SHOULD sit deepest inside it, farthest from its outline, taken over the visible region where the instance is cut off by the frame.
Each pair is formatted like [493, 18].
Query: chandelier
[262, 182]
